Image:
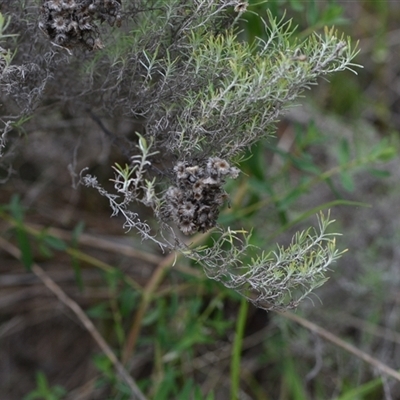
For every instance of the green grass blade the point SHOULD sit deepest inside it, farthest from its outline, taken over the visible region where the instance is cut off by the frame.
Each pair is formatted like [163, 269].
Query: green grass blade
[237, 349]
[22, 238]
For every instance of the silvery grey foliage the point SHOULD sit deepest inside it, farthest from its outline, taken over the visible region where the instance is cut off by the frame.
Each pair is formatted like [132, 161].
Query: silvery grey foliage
[277, 280]
[198, 97]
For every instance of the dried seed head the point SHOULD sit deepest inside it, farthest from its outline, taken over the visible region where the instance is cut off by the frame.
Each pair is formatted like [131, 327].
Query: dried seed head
[180, 170]
[193, 170]
[98, 44]
[241, 6]
[198, 186]
[187, 227]
[192, 178]
[187, 209]
[173, 195]
[194, 204]
[53, 5]
[112, 12]
[90, 41]
[222, 165]
[219, 165]
[85, 23]
[211, 182]
[59, 24]
[111, 20]
[68, 4]
[77, 19]
[180, 166]
[72, 26]
[234, 172]
[221, 197]
[197, 196]
[60, 39]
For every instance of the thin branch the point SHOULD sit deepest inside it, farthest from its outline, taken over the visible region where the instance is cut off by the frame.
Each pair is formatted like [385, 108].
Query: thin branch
[344, 345]
[150, 288]
[87, 323]
[96, 241]
[147, 296]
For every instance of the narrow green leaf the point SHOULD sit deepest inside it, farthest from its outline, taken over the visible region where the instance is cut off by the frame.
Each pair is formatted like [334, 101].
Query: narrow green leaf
[128, 299]
[187, 390]
[297, 5]
[167, 386]
[210, 396]
[292, 196]
[344, 152]
[237, 348]
[103, 364]
[100, 311]
[333, 15]
[45, 250]
[24, 245]
[312, 13]
[305, 163]
[78, 273]
[347, 181]
[16, 209]
[55, 243]
[361, 391]
[293, 382]
[379, 173]
[41, 381]
[387, 154]
[77, 231]
[22, 238]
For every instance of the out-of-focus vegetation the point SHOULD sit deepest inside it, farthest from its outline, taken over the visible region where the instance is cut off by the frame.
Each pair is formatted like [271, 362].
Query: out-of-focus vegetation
[180, 335]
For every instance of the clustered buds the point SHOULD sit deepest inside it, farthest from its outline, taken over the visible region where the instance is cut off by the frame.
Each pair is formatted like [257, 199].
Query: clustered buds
[71, 23]
[194, 202]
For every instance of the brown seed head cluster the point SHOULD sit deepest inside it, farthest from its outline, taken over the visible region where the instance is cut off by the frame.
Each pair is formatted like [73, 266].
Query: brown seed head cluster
[194, 202]
[72, 23]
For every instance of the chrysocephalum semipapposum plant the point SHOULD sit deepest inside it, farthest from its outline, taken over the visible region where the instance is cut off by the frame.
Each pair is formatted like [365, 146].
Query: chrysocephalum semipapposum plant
[198, 97]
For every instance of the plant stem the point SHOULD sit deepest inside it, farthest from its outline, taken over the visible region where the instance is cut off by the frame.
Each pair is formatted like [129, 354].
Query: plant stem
[237, 349]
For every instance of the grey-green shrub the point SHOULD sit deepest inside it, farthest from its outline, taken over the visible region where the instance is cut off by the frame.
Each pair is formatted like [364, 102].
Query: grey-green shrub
[198, 96]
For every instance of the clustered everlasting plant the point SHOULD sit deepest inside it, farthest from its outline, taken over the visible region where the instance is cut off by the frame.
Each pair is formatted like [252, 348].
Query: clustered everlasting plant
[198, 97]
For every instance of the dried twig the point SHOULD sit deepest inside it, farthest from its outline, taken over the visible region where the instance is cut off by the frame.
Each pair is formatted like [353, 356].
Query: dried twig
[87, 323]
[147, 294]
[344, 345]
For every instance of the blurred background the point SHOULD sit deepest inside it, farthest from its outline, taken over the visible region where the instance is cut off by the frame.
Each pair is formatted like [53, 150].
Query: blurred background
[337, 150]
